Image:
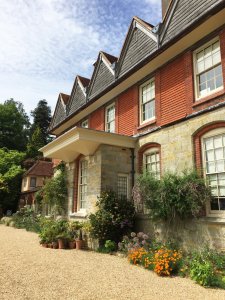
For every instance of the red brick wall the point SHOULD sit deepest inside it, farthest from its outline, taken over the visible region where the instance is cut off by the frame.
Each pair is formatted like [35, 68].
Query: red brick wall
[127, 112]
[96, 119]
[175, 97]
[172, 87]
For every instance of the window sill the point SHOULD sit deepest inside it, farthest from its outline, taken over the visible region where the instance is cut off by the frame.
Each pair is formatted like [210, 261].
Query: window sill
[147, 124]
[208, 98]
[213, 220]
[79, 214]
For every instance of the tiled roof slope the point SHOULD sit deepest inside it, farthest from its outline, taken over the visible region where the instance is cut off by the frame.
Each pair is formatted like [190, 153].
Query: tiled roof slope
[40, 168]
[78, 95]
[103, 74]
[140, 44]
[182, 14]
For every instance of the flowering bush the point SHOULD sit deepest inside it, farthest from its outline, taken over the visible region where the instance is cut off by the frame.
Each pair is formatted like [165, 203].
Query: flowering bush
[135, 255]
[163, 261]
[113, 219]
[135, 241]
[167, 261]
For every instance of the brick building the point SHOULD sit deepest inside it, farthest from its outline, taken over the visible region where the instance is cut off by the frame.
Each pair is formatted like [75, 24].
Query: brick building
[160, 105]
[33, 180]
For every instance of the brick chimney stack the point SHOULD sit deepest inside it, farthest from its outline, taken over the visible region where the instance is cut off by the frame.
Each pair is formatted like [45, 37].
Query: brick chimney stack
[165, 5]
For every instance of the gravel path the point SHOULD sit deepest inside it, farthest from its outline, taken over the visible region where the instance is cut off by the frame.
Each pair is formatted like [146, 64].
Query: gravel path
[28, 271]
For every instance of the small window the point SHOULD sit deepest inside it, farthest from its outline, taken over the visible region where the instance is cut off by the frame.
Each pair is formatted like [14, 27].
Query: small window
[83, 184]
[110, 118]
[151, 161]
[147, 101]
[214, 166]
[208, 69]
[122, 185]
[84, 124]
[33, 182]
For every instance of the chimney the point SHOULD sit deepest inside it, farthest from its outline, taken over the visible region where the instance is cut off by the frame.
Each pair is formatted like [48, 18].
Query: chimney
[165, 5]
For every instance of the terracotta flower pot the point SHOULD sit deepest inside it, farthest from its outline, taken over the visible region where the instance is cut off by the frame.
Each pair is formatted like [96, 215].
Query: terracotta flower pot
[61, 244]
[55, 245]
[72, 244]
[79, 244]
[44, 245]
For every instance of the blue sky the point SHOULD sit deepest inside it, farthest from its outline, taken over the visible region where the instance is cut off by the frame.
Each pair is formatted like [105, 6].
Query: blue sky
[46, 43]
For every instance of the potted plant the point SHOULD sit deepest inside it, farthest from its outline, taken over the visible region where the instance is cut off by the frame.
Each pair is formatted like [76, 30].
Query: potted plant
[79, 241]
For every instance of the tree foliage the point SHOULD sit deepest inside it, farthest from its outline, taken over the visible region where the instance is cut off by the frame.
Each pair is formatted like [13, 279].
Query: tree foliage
[54, 192]
[41, 119]
[14, 124]
[36, 142]
[10, 178]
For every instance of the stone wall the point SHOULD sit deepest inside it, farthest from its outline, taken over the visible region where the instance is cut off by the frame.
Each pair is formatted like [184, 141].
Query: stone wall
[177, 154]
[115, 160]
[190, 234]
[176, 141]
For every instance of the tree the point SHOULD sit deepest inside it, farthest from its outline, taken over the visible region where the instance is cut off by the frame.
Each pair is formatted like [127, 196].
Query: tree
[14, 124]
[36, 142]
[10, 178]
[42, 119]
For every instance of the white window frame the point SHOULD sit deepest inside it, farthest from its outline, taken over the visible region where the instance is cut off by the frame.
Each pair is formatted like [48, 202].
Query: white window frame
[106, 118]
[151, 151]
[127, 183]
[211, 133]
[80, 208]
[141, 102]
[196, 74]
[84, 123]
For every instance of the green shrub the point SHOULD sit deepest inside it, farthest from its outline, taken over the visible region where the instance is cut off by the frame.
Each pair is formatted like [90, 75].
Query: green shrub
[114, 218]
[207, 268]
[173, 196]
[26, 218]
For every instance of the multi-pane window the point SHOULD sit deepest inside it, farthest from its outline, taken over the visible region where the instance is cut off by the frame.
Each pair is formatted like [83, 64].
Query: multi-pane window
[33, 182]
[208, 69]
[110, 118]
[214, 158]
[122, 185]
[152, 162]
[147, 101]
[84, 124]
[83, 184]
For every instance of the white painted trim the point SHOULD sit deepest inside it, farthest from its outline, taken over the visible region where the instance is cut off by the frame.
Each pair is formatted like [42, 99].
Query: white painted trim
[196, 91]
[141, 122]
[106, 109]
[147, 32]
[211, 133]
[81, 86]
[107, 65]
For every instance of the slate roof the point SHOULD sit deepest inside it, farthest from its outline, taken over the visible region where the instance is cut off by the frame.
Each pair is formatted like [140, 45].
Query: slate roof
[142, 42]
[40, 168]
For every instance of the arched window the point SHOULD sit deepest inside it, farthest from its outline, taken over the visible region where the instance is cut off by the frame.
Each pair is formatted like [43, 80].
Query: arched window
[210, 158]
[150, 159]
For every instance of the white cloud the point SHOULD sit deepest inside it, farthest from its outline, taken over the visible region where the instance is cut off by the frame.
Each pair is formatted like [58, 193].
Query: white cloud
[45, 43]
